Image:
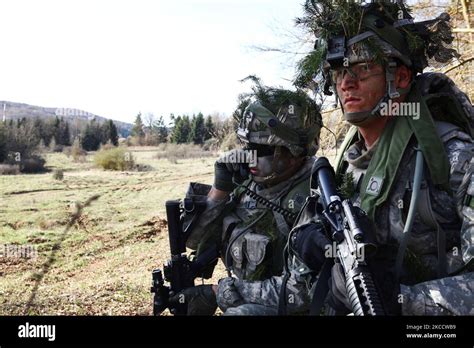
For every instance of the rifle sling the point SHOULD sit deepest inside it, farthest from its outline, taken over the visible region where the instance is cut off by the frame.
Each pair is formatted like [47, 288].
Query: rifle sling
[321, 288]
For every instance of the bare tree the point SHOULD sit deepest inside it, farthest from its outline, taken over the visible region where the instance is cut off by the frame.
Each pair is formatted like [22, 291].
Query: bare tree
[150, 120]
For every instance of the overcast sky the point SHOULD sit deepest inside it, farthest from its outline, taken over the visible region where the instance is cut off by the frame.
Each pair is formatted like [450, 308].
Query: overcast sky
[115, 58]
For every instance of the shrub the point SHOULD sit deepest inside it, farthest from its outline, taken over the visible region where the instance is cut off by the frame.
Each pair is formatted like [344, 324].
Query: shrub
[77, 152]
[33, 164]
[58, 174]
[114, 159]
[9, 169]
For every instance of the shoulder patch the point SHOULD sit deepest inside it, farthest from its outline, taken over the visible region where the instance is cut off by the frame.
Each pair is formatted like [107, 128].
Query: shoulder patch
[374, 186]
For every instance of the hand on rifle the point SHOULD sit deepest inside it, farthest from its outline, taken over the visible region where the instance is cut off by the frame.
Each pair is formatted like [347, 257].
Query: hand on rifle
[310, 244]
[200, 300]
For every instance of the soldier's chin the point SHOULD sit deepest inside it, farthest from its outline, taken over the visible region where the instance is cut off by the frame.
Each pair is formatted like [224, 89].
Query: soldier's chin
[260, 179]
[266, 180]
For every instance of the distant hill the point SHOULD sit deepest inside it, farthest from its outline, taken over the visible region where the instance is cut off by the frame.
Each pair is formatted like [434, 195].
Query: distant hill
[13, 111]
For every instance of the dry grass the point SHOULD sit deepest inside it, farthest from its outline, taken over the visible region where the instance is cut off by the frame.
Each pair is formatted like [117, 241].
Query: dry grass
[175, 152]
[103, 267]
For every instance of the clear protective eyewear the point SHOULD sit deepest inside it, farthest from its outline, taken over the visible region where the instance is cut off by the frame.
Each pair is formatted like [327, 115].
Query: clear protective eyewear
[359, 72]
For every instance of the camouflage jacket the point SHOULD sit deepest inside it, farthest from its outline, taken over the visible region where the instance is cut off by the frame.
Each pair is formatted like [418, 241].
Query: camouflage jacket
[249, 234]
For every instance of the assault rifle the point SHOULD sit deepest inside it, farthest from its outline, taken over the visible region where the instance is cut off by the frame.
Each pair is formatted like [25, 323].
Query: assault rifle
[180, 271]
[351, 240]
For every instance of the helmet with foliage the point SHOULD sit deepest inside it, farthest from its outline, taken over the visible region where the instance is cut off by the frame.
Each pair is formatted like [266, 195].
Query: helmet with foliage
[381, 31]
[279, 117]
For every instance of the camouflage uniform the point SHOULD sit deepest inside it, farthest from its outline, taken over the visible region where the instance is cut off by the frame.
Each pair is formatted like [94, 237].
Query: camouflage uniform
[241, 297]
[251, 229]
[466, 204]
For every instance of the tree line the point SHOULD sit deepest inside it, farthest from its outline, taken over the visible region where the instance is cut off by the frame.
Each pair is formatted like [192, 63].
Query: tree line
[21, 139]
[184, 129]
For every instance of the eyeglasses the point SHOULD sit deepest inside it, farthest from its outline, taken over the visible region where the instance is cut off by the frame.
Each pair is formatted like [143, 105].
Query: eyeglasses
[360, 72]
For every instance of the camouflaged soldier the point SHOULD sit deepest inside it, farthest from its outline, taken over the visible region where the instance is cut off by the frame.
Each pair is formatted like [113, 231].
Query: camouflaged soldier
[374, 70]
[248, 216]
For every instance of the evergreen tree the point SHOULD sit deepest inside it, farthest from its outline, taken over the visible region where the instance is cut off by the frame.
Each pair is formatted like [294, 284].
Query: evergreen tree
[176, 131]
[109, 133]
[62, 135]
[198, 130]
[45, 130]
[113, 135]
[104, 133]
[92, 137]
[186, 129]
[181, 130]
[137, 130]
[209, 128]
[56, 125]
[162, 130]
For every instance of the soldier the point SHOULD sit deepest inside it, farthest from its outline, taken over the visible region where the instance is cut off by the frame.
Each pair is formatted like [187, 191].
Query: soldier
[374, 58]
[251, 207]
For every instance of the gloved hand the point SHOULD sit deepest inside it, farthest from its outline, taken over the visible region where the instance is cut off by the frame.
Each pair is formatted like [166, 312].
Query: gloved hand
[201, 300]
[227, 294]
[224, 173]
[337, 290]
[310, 244]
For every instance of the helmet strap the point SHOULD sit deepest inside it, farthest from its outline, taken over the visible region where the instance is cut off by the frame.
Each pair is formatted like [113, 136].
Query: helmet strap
[390, 71]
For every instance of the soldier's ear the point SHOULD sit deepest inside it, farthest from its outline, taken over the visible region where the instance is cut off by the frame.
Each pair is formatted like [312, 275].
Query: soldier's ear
[403, 76]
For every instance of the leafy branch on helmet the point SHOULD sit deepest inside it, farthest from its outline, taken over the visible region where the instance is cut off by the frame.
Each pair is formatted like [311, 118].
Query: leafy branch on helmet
[274, 99]
[375, 27]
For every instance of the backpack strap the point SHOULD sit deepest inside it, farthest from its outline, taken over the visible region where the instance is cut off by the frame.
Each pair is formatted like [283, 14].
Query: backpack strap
[425, 210]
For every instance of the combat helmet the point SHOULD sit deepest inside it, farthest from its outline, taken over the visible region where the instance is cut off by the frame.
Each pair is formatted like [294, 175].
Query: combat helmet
[382, 31]
[279, 117]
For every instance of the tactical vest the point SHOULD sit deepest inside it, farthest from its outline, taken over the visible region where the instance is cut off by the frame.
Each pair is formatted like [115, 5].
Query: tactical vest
[255, 234]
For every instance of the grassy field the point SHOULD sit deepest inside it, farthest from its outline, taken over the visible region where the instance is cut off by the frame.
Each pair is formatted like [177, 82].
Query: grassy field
[103, 264]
